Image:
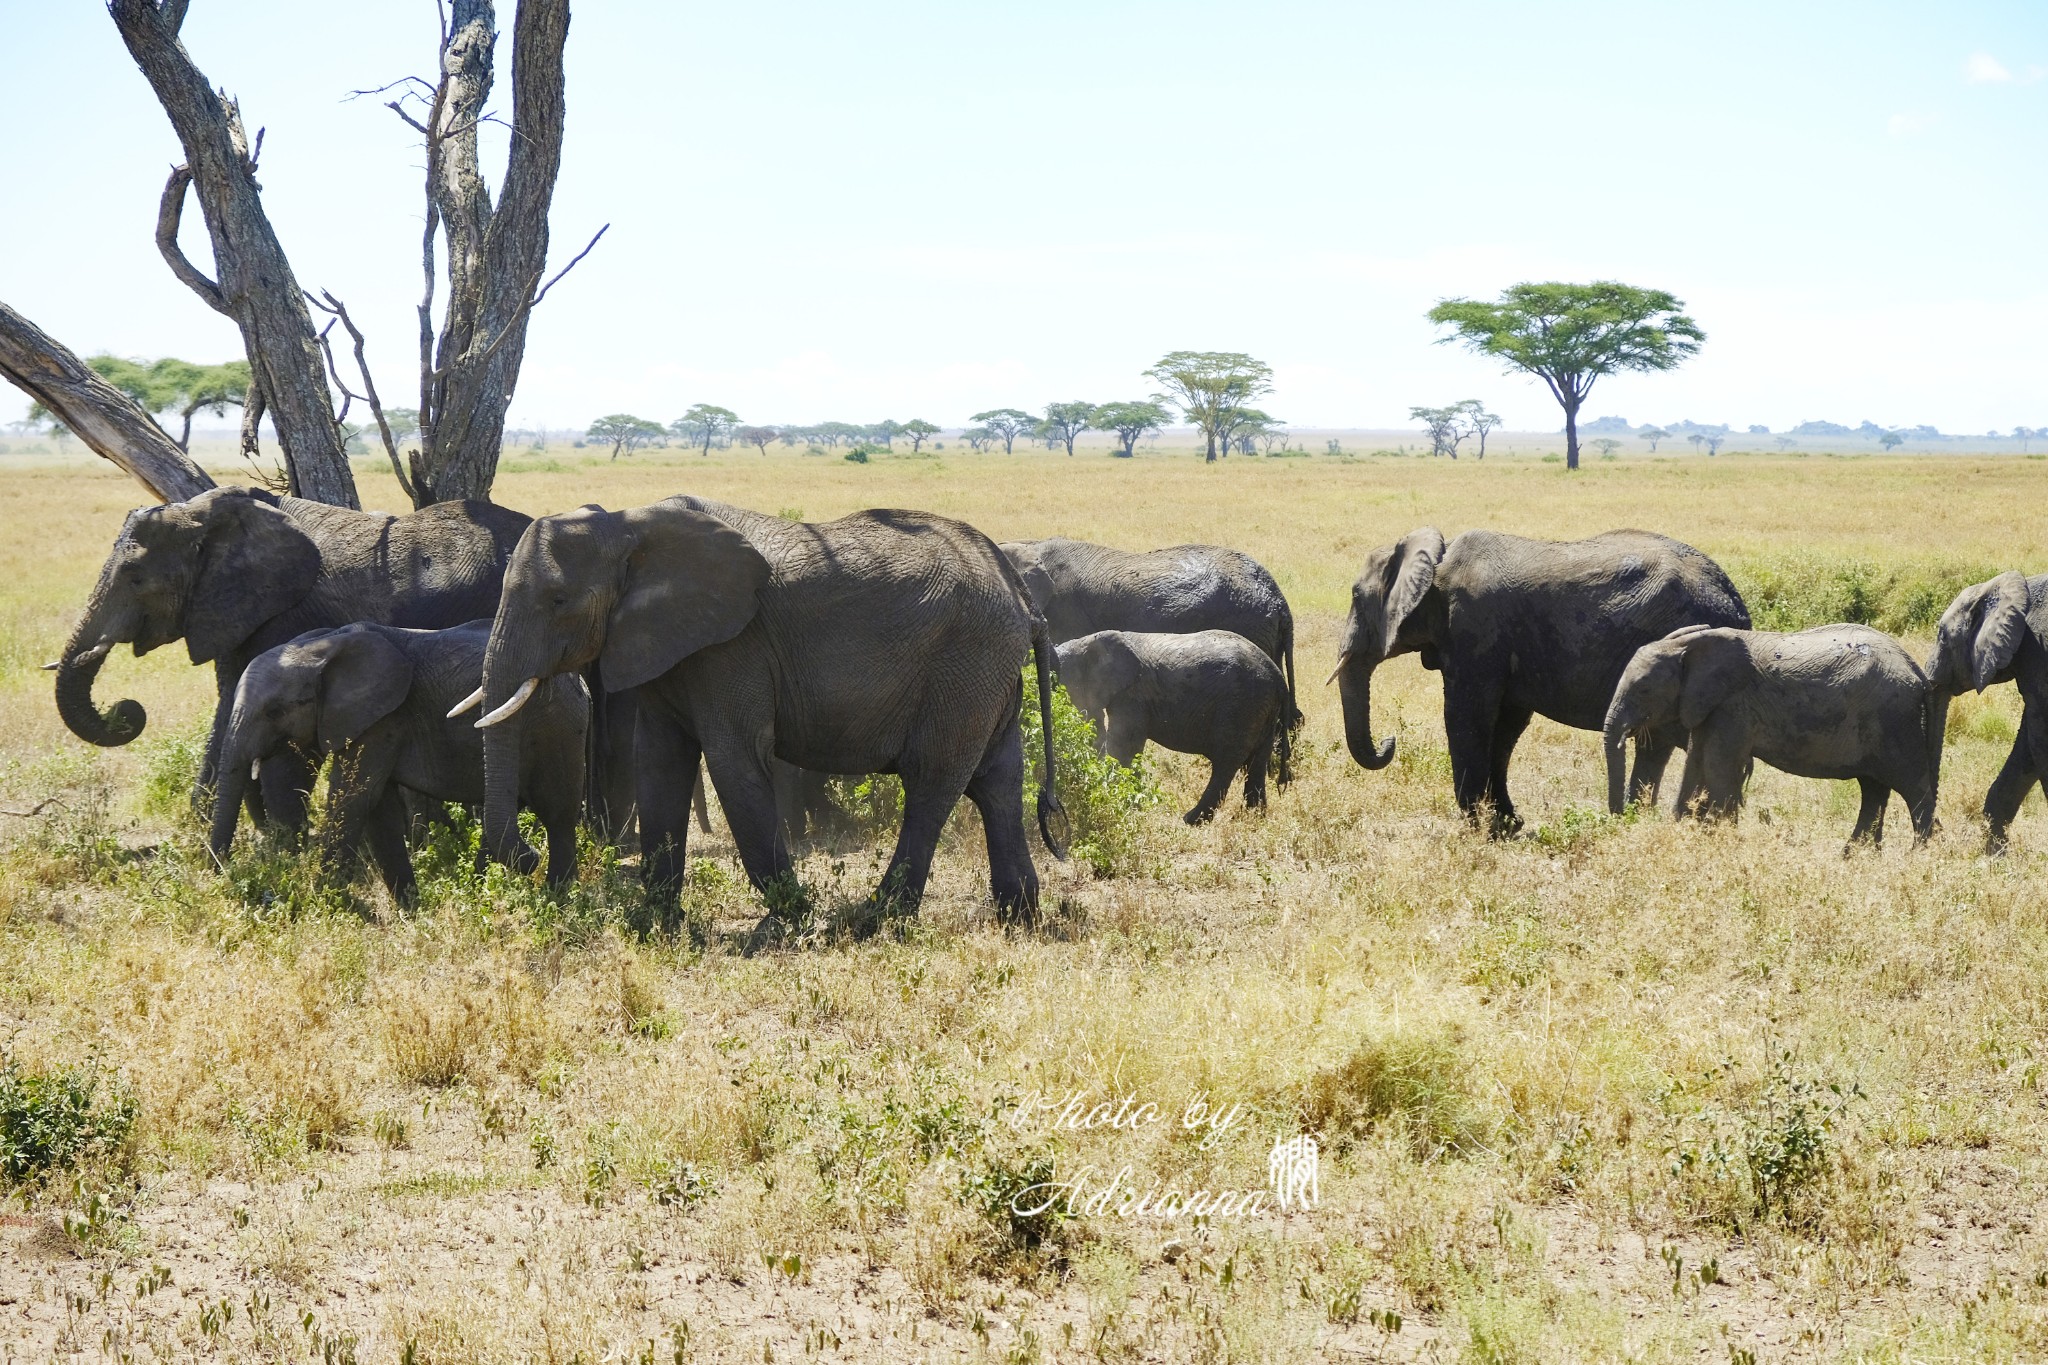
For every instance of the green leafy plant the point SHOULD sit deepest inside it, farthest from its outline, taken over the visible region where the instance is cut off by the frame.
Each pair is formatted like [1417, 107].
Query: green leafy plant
[1105, 801]
[60, 1119]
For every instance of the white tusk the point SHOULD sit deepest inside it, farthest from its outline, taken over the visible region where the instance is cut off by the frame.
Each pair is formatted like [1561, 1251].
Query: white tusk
[53, 665]
[468, 703]
[510, 708]
[1342, 659]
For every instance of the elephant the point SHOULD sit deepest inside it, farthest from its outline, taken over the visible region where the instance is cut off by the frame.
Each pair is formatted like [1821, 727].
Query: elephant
[1836, 702]
[1994, 632]
[1083, 588]
[235, 572]
[886, 641]
[1208, 692]
[375, 699]
[1521, 628]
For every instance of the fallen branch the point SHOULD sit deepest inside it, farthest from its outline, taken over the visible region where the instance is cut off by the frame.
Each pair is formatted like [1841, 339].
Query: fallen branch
[33, 811]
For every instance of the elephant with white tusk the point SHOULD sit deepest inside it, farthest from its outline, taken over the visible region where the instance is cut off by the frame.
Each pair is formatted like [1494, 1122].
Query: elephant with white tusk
[1521, 628]
[1996, 632]
[375, 700]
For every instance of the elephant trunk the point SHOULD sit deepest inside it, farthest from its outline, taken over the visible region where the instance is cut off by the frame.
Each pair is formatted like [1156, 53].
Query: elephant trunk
[1354, 686]
[507, 675]
[1615, 738]
[80, 667]
[231, 786]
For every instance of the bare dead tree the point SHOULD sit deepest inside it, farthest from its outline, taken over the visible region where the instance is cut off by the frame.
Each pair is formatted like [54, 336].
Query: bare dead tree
[255, 285]
[97, 412]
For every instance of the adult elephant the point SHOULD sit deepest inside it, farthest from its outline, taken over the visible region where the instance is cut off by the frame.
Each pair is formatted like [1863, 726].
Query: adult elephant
[1996, 632]
[1520, 628]
[884, 642]
[1083, 587]
[235, 571]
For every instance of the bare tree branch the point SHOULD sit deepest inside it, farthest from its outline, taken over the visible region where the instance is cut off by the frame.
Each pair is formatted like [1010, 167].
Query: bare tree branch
[34, 810]
[331, 304]
[169, 213]
[95, 411]
[527, 307]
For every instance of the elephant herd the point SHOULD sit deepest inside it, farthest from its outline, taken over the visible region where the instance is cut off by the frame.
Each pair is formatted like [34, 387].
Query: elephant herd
[584, 665]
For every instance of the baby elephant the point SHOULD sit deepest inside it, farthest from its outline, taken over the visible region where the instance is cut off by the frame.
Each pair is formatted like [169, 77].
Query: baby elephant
[1831, 702]
[376, 698]
[1209, 692]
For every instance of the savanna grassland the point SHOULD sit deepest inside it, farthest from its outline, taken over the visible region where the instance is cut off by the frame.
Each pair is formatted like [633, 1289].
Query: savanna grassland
[1615, 1089]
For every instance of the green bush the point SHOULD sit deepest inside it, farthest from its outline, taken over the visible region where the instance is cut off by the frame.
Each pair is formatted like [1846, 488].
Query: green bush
[1795, 592]
[171, 772]
[1105, 801]
[59, 1120]
[858, 455]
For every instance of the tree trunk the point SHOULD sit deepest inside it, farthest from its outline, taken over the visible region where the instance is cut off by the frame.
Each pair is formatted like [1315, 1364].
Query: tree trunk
[495, 253]
[100, 414]
[1571, 435]
[256, 286]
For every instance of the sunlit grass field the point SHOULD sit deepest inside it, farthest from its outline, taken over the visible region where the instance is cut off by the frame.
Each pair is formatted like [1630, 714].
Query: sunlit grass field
[1616, 1089]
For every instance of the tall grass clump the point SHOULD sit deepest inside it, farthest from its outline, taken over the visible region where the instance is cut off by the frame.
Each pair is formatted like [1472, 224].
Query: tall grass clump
[1105, 801]
[1793, 592]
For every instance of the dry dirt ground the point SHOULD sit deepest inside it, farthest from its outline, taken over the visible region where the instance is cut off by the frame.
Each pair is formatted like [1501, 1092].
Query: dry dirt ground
[1614, 1089]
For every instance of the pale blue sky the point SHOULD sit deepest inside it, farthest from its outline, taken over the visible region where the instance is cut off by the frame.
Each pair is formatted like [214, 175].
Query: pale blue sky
[896, 209]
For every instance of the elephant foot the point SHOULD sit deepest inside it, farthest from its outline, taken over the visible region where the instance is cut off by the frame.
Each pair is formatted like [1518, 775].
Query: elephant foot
[1199, 816]
[1995, 844]
[770, 932]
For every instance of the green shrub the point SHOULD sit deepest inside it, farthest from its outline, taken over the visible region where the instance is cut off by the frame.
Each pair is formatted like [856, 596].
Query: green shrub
[1105, 801]
[59, 1120]
[1795, 592]
[858, 455]
[171, 771]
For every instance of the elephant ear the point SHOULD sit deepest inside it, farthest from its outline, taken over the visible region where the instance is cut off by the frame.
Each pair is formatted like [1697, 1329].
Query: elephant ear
[690, 583]
[253, 564]
[1717, 666]
[2001, 626]
[1411, 573]
[1104, 666]
[365, 678]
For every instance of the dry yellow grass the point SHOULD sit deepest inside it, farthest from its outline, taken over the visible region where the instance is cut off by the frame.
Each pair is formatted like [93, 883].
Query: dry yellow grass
[1574, 1086]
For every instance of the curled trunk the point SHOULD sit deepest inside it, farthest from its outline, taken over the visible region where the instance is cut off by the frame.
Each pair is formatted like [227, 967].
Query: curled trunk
[76, 673]
[1354, 685]
[505, 672]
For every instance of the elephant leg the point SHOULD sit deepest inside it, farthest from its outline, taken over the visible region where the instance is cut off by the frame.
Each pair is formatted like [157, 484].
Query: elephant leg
[2009, 789]
[611, 746]
[1870, 817]
[1255, 770]
[1220, 773]
[1124, 739]
[286, 782]
[664, 768]
[1470, 712]
[701, 803]
[997, 790]
[1507, 732]
[1653, 755]
[1723, 755]
[558, 818]
[384, 832]
[746, 792]
[789, 798]
[927, 800]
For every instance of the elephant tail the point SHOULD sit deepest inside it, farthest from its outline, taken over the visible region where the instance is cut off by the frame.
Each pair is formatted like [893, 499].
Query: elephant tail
[1292, 720]
[1285, 774]
[1049, 808]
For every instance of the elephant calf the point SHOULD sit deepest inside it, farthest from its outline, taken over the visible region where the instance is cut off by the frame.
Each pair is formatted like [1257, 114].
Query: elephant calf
[376, 699]
[1210, 692]
[1831, 702]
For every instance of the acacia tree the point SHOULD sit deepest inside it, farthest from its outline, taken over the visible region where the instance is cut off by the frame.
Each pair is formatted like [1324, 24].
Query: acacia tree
[1569, 335]
[495, 248]
[1445, 426]
[1480, 420]
[919, 431]
[1064, 421]
[977, 438]
[1654, 435]
[624, 432]
[703, 424]
[1130, 421]
[1006, 425]
[758, 437]
[1240, 427]
[1209, 386]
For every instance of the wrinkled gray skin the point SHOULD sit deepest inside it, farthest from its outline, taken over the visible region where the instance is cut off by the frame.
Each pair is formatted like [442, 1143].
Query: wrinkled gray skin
[1082, 588]
[1210, 692]
[375, 699]
[1997, 632]
[1833, 702]
[1522, 628]
[236, 571]
[884, 642]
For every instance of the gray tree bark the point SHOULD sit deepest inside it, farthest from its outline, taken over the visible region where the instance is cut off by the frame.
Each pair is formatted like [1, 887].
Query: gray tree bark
[96, 412]
[255, 285]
